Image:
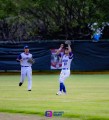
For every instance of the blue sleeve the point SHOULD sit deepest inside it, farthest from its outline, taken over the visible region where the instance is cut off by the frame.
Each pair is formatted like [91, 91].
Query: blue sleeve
[59, 55]
[70, 55]
[19, 57]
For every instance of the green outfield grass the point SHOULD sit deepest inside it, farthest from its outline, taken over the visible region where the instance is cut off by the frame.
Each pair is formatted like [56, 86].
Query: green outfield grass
[87, 96]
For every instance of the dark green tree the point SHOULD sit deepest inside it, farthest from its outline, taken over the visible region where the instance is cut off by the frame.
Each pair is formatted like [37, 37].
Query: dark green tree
[64, 19]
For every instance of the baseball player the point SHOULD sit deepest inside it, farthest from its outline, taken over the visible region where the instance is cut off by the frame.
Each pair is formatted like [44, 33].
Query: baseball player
[26, 70]
[66, 62]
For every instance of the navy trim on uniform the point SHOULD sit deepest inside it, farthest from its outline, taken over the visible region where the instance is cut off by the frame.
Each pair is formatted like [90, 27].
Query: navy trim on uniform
[70, 55]
[59, 55]
[65, 68]
[19, 57]
[25, 66]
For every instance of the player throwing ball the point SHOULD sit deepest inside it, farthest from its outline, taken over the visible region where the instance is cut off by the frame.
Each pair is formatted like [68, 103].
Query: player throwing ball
[66, 63]
[26, 62]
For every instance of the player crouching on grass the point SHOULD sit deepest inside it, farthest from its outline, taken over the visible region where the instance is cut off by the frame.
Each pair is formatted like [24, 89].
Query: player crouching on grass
[26, 62]
[66, 63]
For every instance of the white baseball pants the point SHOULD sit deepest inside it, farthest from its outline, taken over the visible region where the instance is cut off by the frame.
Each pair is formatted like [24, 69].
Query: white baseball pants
[64, 75]
[26, 71]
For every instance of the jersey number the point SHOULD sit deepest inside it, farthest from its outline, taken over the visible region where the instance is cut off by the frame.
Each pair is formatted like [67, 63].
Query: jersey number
[65, 63]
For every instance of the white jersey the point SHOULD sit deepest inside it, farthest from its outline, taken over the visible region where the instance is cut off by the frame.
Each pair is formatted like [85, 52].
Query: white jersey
[25, 58]
[66, 61]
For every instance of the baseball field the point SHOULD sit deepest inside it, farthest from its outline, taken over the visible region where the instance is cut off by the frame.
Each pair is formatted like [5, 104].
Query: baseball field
[87, 97]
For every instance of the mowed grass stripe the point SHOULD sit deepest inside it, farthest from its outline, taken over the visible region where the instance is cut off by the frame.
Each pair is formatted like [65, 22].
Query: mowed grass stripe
[87, 96]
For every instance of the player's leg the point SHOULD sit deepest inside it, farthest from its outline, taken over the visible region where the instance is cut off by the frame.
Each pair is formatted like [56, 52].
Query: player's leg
[29, 75]
[66, 75]
[61, 83]
[23, 75]
[64, 88]
[62, 78]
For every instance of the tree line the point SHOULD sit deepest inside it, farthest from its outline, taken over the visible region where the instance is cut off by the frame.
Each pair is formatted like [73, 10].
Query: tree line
[51, 19]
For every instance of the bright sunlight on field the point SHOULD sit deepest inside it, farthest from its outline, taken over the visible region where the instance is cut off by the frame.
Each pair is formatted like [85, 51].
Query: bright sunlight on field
[87, 96]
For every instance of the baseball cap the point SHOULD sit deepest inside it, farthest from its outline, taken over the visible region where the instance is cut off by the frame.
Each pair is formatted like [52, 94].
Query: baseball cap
[26, 47]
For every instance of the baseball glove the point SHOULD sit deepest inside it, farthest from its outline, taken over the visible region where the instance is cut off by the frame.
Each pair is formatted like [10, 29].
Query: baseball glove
[68, 42]
[31, 61]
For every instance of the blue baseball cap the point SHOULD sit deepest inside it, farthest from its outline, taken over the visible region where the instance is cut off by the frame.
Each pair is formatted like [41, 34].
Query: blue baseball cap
[26, 47]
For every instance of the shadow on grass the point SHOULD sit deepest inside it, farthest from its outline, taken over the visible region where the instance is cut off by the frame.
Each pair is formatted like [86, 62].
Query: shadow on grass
[71, 116]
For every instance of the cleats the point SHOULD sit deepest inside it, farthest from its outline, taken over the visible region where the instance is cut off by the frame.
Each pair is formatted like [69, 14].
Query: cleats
[20, 84]
[29, 90]
[59, 93]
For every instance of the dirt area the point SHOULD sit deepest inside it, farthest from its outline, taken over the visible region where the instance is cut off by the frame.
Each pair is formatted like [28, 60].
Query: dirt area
[8, 116]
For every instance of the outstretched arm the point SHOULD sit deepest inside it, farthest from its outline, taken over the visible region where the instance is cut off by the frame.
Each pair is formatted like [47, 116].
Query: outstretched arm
[59, 50]
[70, 52]
[69, 48]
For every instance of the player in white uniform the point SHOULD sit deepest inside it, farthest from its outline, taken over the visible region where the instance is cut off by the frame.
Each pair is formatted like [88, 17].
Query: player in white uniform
[66, 63]
[26, 69]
